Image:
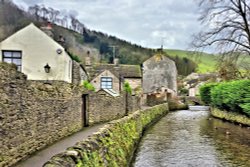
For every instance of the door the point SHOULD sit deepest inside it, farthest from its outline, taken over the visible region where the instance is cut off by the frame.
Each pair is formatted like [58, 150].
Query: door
[85, 115]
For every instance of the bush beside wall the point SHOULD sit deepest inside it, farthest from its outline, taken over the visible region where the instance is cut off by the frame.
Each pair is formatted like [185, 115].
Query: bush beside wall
[232, 96]
[113, 145]
[205, 92]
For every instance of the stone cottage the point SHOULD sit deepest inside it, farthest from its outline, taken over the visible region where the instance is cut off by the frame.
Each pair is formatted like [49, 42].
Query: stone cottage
[159, 79]
[113, 76]
[40, 57]
[194, 81]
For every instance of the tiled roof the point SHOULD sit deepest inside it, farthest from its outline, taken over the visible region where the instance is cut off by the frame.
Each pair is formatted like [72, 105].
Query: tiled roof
[125, 71]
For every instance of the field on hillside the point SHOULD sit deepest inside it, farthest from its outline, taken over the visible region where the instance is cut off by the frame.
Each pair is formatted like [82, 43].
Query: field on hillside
[206, 62]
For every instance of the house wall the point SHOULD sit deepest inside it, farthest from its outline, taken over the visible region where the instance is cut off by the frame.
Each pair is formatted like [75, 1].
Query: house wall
[159, 71]
[38, 49]
[134, 82]
[78, 74]
[192, 91]
[96, 82]
[157, 98]
[34, 114]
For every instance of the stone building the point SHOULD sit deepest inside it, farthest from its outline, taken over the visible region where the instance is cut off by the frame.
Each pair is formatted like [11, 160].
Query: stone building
[113, 76]
[159, 79]
[38, 56]
[194, 81]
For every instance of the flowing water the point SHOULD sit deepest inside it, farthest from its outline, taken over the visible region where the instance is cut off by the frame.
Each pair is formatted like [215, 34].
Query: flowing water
[192, 138]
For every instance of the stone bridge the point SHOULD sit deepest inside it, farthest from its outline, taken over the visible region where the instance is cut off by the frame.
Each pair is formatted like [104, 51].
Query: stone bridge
[191, 100]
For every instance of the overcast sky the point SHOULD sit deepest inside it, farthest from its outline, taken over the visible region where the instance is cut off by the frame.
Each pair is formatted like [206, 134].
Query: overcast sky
[144, 22]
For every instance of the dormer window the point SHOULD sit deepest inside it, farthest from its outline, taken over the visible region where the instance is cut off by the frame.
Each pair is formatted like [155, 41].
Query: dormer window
[106, 83]
[14, 57]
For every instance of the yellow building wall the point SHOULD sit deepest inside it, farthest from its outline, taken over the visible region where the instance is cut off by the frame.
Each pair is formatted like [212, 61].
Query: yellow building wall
[38, 49]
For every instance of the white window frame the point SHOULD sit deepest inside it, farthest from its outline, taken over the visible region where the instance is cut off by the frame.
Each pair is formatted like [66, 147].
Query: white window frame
[13, 56]
[106, 82]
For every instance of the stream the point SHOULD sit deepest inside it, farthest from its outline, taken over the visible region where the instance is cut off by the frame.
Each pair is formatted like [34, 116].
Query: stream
[190, 138]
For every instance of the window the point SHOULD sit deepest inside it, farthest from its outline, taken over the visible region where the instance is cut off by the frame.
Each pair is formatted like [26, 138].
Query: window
[106, 83]
[14, 57]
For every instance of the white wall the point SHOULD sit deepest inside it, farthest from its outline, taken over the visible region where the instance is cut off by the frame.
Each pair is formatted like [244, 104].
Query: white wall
[38, 49]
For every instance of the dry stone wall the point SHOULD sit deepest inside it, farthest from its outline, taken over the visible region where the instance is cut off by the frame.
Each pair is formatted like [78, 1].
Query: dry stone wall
[34, 114]
[104, 107]
[113, 145]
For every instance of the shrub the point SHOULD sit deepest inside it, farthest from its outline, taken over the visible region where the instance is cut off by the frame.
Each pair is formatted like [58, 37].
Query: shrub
[88, 86]
[127, 88]
[205, 92]
[232, 96]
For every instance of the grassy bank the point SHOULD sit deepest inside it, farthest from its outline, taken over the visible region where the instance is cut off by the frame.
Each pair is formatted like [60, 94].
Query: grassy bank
[206, 62]
[231, 116]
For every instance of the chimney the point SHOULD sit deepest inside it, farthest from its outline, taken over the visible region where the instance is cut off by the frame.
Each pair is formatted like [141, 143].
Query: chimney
[49, 26]
[88, 59]
[48, 29]
[116, 61]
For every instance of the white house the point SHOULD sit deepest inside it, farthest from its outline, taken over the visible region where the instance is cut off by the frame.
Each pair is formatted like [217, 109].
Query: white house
[33, 51]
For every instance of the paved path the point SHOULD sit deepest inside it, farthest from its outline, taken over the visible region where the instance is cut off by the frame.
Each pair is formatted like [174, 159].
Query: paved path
[40, 157]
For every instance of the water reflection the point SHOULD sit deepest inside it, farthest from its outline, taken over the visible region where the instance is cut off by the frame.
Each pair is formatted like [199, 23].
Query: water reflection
[189, 138]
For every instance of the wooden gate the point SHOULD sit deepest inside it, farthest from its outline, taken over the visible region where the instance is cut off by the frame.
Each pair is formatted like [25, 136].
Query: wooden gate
[85, 107]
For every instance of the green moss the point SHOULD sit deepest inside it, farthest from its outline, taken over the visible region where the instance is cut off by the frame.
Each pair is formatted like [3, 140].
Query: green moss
[116, 147]
[231, 116]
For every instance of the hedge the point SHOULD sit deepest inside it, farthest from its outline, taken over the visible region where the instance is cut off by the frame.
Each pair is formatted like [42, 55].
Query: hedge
[205, 92]
[232, 96]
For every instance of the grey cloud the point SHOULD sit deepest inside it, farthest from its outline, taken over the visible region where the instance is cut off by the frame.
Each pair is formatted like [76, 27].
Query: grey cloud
[32, 2]
[143, 22]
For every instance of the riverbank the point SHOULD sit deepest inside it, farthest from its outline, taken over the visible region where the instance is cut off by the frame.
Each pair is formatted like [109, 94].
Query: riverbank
[230, 116]
[113, 145]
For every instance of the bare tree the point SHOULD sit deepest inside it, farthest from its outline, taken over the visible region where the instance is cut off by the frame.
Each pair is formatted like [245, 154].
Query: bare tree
[34, 10]
[44, 13]
[227, 25]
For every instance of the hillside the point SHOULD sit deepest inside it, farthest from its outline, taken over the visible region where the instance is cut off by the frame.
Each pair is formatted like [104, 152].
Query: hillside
[206, 62]
[79, 40]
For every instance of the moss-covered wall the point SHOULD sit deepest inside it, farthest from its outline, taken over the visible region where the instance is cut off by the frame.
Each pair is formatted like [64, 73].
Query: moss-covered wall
[113, 145]
[231, 116]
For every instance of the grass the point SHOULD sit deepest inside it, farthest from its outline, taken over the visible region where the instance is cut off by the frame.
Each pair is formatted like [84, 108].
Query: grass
[206, 62]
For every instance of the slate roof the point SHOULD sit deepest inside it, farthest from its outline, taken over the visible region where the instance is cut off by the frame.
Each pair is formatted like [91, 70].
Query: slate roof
[125, 71]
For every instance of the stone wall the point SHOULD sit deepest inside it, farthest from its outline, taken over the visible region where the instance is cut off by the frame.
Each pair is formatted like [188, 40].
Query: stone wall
[113, 145]
[231, 116]
[104, 107]
[134, 82]
[78, 74]
[34, 114]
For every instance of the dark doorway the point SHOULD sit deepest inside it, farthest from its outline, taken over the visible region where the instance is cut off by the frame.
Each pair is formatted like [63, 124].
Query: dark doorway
[85, 115]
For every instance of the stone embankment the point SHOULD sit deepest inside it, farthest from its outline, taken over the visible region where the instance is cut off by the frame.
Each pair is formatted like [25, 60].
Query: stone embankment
[231, 116]
[113, 145]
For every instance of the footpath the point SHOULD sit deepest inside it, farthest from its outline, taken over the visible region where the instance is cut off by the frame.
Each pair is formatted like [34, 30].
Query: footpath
[40, 157]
